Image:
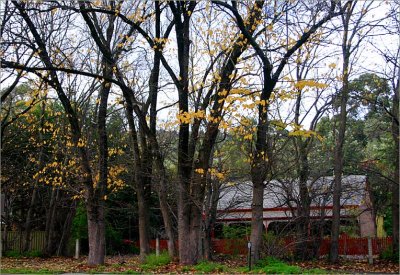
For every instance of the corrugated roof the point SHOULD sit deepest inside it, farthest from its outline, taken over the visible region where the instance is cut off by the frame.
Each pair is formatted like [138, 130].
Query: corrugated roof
[281, 193]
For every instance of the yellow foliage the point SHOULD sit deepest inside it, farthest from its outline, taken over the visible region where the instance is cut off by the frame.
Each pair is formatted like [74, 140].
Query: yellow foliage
[188, 117]
[279, 124]
[81, 143]
[332, 66]
[305, 133]
[217, 174]
[309, 83]
[248, 137]
[199, 171]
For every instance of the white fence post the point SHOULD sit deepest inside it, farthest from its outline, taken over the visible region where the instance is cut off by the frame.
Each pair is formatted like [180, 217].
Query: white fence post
[157, 246]
[370, 258]
[77, 249]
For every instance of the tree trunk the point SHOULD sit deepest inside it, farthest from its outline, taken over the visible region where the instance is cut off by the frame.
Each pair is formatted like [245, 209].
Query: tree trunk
[28, 221]
[143, 216]
[96, 231]
[211, 217]
[257, 218]
[141, 176]
[66, 231]
[195, 234]
[165, 211]
[5, 218]
[395, 187]
[340, 138]
[185, 248]
[337, 188]
[50, 219]
[96, 192]
[302, 251]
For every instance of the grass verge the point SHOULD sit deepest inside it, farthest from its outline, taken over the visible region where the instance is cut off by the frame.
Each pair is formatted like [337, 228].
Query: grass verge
[271, 265]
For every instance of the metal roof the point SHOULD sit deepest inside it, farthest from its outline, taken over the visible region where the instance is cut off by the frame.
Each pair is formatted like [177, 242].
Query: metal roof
[285, 193]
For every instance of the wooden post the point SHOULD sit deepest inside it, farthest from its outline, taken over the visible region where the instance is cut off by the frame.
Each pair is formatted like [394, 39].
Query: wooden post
[157, 246]
[370, 259]
[77, 249]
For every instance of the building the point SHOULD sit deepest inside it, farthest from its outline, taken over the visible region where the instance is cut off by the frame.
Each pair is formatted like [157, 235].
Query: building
[280, 197]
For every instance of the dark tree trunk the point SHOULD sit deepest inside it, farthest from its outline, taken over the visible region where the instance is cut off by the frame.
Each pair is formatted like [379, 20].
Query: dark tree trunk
[50, 220]
[142, 191]
[66, 231]
[143, 218]
[195, 234]
[5, 226]
[187, 253]
[191, 190]
[140, 184]
[28, 221]
[165, 211]
[260, 168]
[210, 217]
[303, 248]
[96, 193]
[257, 214]
[340, 139]
[185, 248]
[338, 169]
[96, 230]
[395, 187]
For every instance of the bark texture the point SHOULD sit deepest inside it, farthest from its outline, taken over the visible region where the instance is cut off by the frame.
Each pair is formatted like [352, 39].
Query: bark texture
[395, 187]
[340, 139]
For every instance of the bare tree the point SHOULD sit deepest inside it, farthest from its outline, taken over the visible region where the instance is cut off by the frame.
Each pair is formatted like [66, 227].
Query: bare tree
[260, 165]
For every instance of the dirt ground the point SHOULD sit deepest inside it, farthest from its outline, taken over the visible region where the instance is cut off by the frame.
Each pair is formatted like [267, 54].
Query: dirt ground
[130, 264]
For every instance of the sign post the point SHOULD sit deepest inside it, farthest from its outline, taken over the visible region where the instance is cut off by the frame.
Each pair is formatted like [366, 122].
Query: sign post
[249, 248]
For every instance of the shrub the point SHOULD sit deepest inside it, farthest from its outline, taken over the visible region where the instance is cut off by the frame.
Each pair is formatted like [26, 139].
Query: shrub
[235, 231]
[33, 254]
[208, 267]
[387, 254]
[12, 254]
[17, 254]
[129, 247]
[154, 261]
[274, 246]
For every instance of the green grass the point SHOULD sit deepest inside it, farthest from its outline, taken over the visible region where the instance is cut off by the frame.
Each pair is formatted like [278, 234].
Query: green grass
[30, 271]
[280, 268]
[207, 267]
[153, 261]
[271, 265]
